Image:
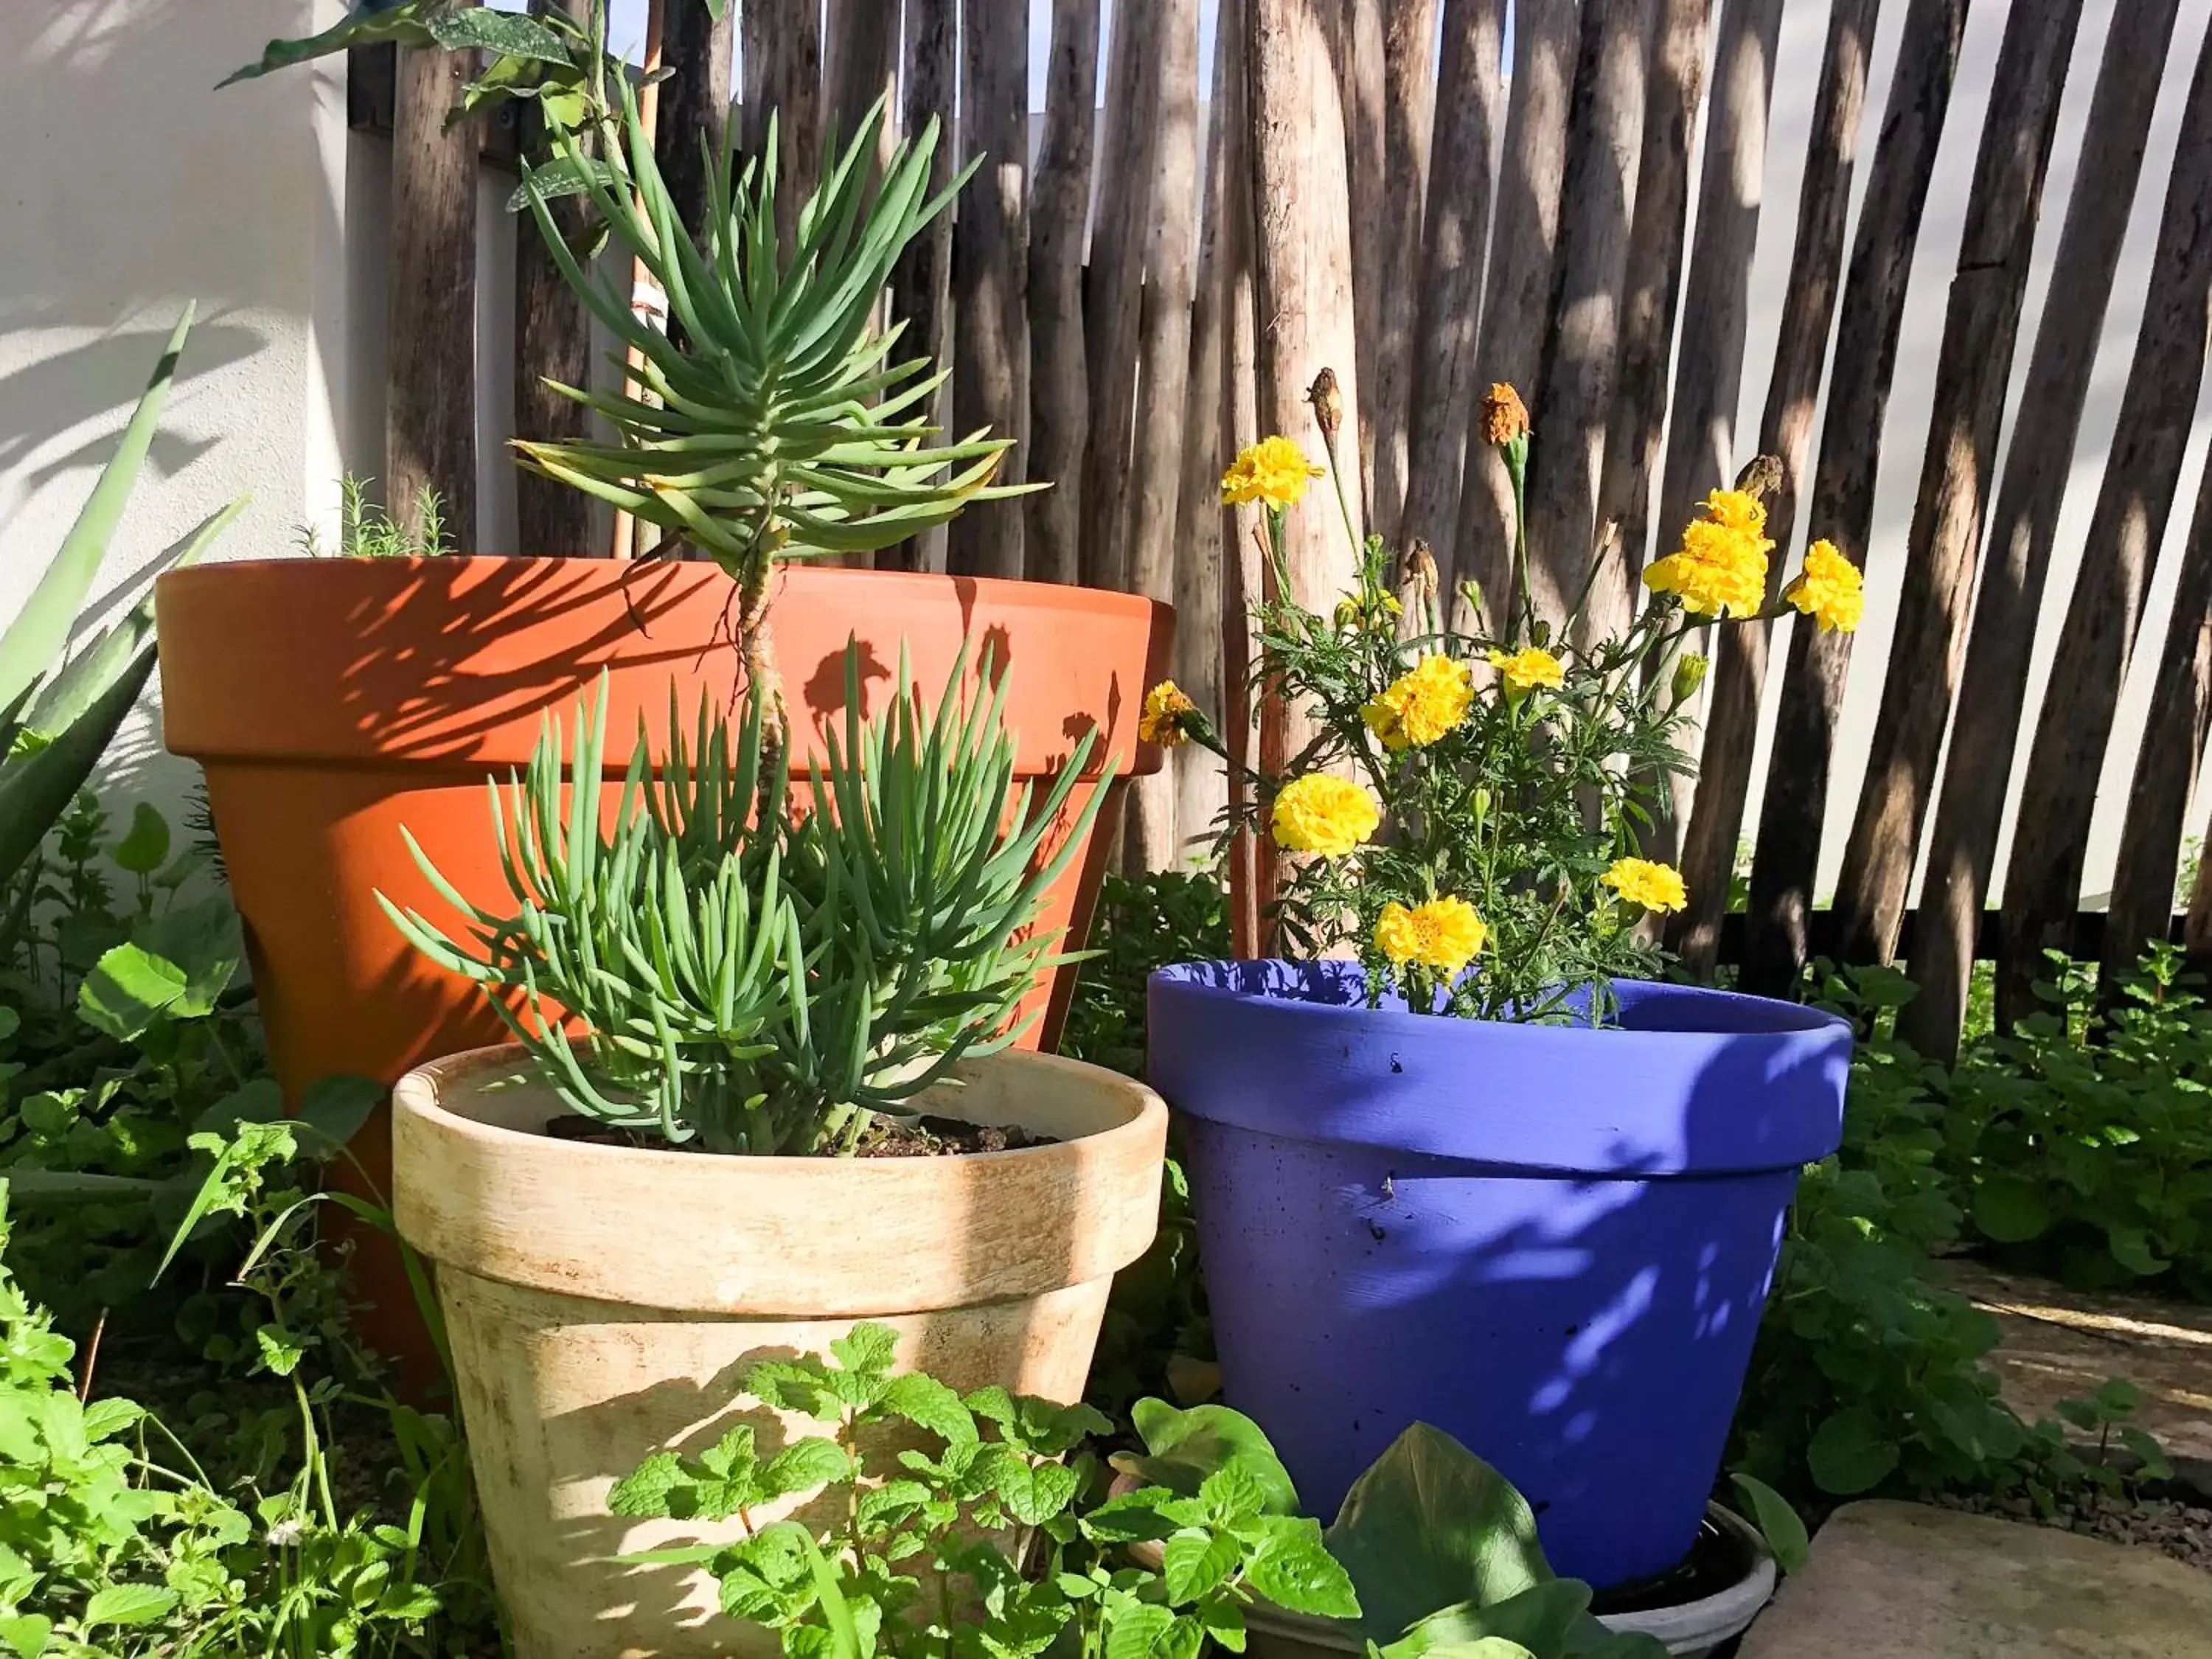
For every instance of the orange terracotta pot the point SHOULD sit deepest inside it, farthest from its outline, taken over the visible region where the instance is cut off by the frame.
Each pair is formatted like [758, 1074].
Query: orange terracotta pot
[331, 702]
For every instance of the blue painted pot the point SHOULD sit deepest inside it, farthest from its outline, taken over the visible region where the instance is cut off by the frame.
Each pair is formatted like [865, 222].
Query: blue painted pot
[1553, 1242]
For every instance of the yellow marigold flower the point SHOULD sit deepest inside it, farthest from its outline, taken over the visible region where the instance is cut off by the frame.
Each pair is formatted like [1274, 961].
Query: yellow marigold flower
[1717, 569]
[1421, 705]
[1445, 934]
[1528, 669]
[1647, 884]
[1274, 471]
[1504, 416]
[1166, 707]
[1737, 509]
[1323, 814]
[1830, 589]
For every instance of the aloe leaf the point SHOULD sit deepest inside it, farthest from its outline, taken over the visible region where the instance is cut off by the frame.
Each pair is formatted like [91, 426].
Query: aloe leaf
[41, 630]
[36, 789]
[81, 680]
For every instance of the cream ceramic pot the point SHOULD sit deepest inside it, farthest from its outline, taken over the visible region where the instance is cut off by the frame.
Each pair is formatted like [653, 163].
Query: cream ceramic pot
[604, 1304]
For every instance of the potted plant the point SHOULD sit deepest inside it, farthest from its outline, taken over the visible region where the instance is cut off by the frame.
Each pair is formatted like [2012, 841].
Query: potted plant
[330, 702]
[1463, 1158]
[788, 1092]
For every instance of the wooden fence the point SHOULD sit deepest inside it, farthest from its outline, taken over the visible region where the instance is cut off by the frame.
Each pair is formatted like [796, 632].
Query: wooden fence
[1350, 220]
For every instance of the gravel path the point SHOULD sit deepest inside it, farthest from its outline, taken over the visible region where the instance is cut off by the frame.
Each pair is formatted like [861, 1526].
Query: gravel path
[2182, 1530]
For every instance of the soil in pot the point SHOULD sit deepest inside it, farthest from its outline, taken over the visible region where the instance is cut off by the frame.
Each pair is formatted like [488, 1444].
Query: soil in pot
[925, 1136]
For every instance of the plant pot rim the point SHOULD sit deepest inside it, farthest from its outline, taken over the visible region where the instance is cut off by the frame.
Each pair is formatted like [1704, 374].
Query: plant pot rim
[453, 662]
[1761, 1016]
[468, 568]
[773, 1235]
[1728, 1084]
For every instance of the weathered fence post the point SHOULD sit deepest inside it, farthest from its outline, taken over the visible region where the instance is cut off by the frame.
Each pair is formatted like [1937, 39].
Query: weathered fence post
[1793, 397]
[2043, 881]
[782, 77]
[1517, 288]
[1582, 339]
[1973, 370]
[1455, 240]
[1701, 448]
[1059, 209]
[552, 341]
[860, 55]
[694, 101]
[1652, 276]
[1208, 597]
[1114, 290]
[1303, 291]
[990, 267]
[1241, 569]
[2141, 907]
[1163, 383]
[430, 407]
[922, 281]
[1796, 797]
[1409, 103]
[1963, 840]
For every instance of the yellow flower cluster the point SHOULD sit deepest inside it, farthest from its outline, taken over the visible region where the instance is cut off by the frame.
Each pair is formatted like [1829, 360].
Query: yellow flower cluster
[1422, 704]
[1831, 590]
[1647, 884]
[1721, 565]
[1274, 471]
[1530, 669]
[1444, 933]
[1323, 814]
[1166, 706]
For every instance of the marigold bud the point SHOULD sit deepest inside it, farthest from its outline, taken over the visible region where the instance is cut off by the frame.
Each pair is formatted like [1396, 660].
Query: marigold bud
[1328, 401]
[1504, 416]
[1689, 675]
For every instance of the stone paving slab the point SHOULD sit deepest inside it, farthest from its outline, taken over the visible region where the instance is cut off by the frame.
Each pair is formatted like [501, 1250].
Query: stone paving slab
[1903, 1581]
[2061, 1344]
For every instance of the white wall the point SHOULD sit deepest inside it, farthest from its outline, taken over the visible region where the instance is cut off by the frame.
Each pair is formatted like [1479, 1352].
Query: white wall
[132, 186]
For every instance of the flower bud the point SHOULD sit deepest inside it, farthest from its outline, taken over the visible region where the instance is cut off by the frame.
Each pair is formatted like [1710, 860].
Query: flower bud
[1689, 675]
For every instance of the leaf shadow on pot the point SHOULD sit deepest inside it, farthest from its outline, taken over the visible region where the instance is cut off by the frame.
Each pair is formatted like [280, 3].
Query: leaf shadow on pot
[1552, 1242]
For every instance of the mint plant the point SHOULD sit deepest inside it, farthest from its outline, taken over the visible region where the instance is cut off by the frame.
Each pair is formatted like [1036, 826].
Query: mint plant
[2082, 1143]
[995, 1537]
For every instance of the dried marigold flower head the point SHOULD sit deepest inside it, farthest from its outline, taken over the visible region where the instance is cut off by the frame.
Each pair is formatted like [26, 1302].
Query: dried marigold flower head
[1504, 416]
[1327, 400]
[1421, 569]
